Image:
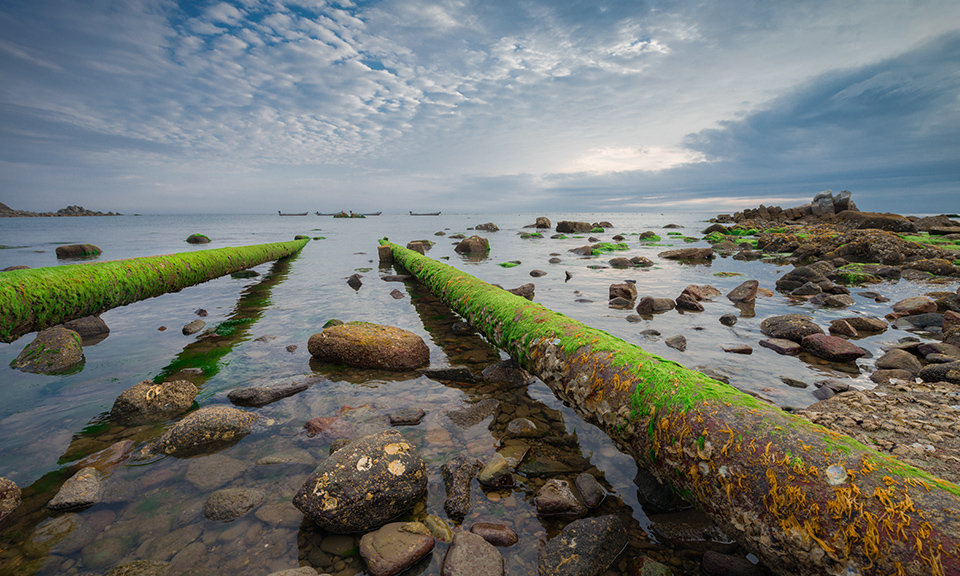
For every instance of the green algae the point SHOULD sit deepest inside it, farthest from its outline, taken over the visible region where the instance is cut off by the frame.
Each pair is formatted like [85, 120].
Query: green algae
[651, 238]
[37, 298]
[603, 247]
[715, 237]
[527, 235]
[597, 230]
[727, 274]
[510, 264]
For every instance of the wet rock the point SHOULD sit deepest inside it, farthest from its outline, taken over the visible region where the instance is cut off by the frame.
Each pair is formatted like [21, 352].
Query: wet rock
[801, 275]
[208, 427]
[522, 428]
[927, 321]
[941, 348]
[896, 359]
[495, 473]
[507, 371]
[573, 227]
[421, 246]
[620, 262]
[885, 376]
[877, 221]
[688, 254]
[473, 245]
[716, 564]
[406, 416]
[833, 300]
[82, 489]
[193, 327]
[590, 490]
[438, 527]
[737, 349]
[537, 273]
[621, 304]
[55, 350]
[142, 568]
[782, 346]
[197, 239]
[626, 290]
[842, 328]
[792, 382]
[149, 401]
[471, 555]
[473, 414]
[366, 345]
[728, 319]
[329, 427]
[451, 375]
[487, 227]
[542, 222]
[9, 496]
[647, 566]
[654, 496]
[354, 281]
[678, 342]
[585, 547]
[790, 327]
[524, 291]
[913, 306]
[641, 262]
[231, 503]
[746, 292]
[364, 484]
[935, 266]
[951, 321]
[213, 471]
[556, 497]
[496, 534]
[705, 292]
[457, 476]
[301, 571]
[395, 547]
[78, 251]
[869, 324]
[808, 289]
[687, 302]
[385, 255]
[88, 326]
[691, 530]
[831, 348]
[947, 372]
[263, 395]
[649, 305]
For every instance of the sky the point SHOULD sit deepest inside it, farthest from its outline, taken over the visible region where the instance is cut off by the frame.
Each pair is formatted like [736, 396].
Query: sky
[254, 106]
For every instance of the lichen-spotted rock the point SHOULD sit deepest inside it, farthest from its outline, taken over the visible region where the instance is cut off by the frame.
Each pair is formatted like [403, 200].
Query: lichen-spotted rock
[367, 345]
[55, 350]
[207, 427]
[364, 485]
[147, 400]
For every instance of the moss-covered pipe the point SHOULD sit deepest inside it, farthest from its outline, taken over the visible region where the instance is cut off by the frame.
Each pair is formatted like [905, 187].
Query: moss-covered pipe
[38, 298]
[804, 499]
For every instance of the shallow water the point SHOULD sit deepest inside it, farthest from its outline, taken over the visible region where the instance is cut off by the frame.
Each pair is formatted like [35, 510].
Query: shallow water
[153, 507]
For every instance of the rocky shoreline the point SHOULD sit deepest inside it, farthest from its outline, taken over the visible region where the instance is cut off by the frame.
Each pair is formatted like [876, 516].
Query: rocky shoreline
[8, 212]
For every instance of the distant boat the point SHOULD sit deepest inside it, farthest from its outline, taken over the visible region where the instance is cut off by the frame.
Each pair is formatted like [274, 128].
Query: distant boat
[424, 213]
[351, 214]
[372, 214]
[292, 213]
[325, 214]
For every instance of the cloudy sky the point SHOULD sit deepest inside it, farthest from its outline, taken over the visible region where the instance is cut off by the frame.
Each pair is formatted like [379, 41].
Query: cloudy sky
[158, 106]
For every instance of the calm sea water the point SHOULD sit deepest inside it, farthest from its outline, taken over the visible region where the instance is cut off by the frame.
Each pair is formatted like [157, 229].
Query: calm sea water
[50, 423]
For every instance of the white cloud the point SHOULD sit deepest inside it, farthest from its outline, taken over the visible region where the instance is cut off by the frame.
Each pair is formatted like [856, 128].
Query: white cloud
[628, 159]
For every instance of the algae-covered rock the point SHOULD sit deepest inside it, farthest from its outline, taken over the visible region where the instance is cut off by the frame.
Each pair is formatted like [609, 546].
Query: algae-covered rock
[197, 239]
[55, 350]
[78, 251]
[206, 427]
[367, 345]
[148, 400]
[585, 547]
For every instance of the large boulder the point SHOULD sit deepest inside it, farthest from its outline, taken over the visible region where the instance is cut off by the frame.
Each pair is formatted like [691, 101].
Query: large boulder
[150, 401]
[488, 227]
[473, 245]
[207, 427]
[542, 222]
[55, 350]
[78, 251]
[364, 485]
[367, 345]
[790, 327]
[873, 220]
[832, 348]
[395, 547]
[801, 275]
[573, 227]
[585, 547]
[688, 254]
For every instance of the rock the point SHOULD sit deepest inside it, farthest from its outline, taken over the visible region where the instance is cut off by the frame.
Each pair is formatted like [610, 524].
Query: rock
[471, 555]
[737, 349]
[808, 289]
[872, 220]
[329, 428]
[197, 239]
[896, 359]
[688, 254]
[263, 395]
[395, 547]
[542, 222]
[439, 528]
[473, 245]
[193, 327]
[537, 273]
[301, 571]
[782, 346]
[716, 564]
[789, 327]
[231, 503]
[913, 306]
[507, 371]
[556, 497]
[406, 416]
[649, 305]
[496, 534]
[687, 302]
[746, 292]
[366, 345]
[800, 276]
[205, 428]
[524, 291]
[626, 290]
[55, 350]
[691, 530]
[947, 372]
[842, 328]
[832, 300]
[364, 484]
[143, 568]
[496, 473]
[457, 477]
[935, 266]
[705, 292]
[678, 342]
[522, 428]
[620, 262]
[572, 227]
[590, 490]
[453, 374]
[869, 324]
[82, 489]
[385, 255]
[473, 414]
[9, 496]
[929, 348]
[885, 376]
[421, 246]
[831, 348]
[78, 251]
[728, 319]
[149, 401]
[88, 326]
[585, 547]
[641, 262]
[354, 281]
[621, 303]
[647, 566]
[488, 227]
[15, 267]
[920, 322]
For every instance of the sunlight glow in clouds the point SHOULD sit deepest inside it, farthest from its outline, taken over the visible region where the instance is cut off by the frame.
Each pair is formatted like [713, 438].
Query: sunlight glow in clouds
[652, 159]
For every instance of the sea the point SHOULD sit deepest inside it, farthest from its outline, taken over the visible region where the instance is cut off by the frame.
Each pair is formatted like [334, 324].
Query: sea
[256, 334]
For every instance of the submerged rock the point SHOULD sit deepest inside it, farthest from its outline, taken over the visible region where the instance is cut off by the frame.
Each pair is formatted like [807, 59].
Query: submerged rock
[82, 489]
[473, 245]
[207, 427]
[366, 345]
[457, 476]
[471, 555]
[55, 350]
[556, 497]
[364, 485]
[496, 534]
[150, 401]
[585, 547]
[9, 497]
[263, 395]
[231, 503]
[395, 547]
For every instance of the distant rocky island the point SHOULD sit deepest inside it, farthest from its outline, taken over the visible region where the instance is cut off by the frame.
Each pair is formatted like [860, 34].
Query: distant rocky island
[8, 212]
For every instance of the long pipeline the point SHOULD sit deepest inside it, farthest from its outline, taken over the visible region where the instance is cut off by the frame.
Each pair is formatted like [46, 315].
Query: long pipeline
[38, 298]
[804, 499]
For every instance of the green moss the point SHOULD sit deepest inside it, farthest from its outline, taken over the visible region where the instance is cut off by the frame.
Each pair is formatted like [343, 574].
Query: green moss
[775, 230]
[715, 237]
[689, 239]
[526, 235]
[597, 230]
[608, 247]
[510, 264]
[674, 233]
[562, 237]
[726, 274]
[751, 241]
[651, 238]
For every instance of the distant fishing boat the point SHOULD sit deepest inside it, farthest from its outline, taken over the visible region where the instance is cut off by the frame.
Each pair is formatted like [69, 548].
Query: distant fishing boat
[372, 214]
[292, 213]
[424, 213]
[326, 214]
[352, 215]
